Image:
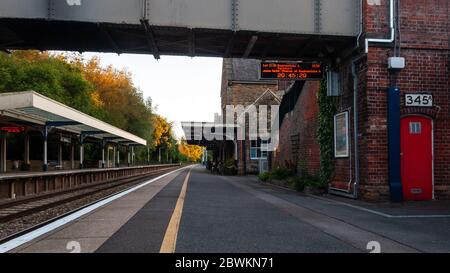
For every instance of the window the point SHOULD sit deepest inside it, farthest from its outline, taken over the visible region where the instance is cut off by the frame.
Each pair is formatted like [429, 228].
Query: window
[259, 149]
[341, 141]
[415, 128]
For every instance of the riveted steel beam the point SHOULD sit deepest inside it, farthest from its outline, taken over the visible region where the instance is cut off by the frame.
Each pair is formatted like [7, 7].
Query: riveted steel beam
[229, 46]
[146, 9]
[109, 38]
[191, 43]
[308, 43]
[151, 38]
[235, 15]
[317, 16]
[72, 25]
[51, 9]
[250, 46]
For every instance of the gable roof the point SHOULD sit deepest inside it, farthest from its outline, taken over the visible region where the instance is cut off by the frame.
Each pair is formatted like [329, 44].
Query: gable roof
[245, 70]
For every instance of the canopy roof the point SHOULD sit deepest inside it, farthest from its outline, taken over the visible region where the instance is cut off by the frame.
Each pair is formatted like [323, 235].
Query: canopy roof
[37, 109]
[194, 132]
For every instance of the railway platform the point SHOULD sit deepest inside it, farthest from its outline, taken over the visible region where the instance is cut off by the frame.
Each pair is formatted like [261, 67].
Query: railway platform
[89, 228]
[190, 210]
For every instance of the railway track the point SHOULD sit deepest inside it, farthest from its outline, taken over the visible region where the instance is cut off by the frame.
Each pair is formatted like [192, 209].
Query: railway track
[16, 209]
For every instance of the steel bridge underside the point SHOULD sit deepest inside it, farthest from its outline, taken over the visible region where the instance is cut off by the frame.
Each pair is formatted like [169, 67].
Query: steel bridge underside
[260, 29]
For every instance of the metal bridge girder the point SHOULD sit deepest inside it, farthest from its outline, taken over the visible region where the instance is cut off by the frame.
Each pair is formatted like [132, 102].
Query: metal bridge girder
[285, 16]
[287, 29]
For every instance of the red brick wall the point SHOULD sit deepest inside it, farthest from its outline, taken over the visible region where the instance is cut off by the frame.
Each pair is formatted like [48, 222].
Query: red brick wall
[425, 42]
[300, 126]
[425, 46]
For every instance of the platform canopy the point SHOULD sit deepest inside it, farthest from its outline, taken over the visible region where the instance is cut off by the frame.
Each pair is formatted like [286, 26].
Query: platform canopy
[34, 108]
[195, 133]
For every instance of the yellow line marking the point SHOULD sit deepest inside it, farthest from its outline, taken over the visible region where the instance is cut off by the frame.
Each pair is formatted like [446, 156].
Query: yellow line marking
[170, 238]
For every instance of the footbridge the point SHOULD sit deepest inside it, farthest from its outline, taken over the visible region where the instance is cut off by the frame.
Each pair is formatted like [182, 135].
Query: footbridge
[221, 28]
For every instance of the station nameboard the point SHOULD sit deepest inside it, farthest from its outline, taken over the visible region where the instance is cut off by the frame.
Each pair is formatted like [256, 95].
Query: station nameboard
[291, 71]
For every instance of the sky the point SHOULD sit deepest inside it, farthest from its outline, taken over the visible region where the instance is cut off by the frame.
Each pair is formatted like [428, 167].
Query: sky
[182, 88]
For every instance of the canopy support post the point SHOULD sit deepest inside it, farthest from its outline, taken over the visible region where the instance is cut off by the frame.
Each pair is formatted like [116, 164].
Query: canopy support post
[27, 149]
[72, 155]
[128, 152]
[103, 153]
[3, 156]
[81, 151]
[45, 134]
[118, 156]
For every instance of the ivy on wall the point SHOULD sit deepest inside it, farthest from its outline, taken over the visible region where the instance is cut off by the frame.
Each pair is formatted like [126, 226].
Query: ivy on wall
[325, 133]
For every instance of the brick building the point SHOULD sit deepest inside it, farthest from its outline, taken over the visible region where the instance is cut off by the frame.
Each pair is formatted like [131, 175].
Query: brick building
[393, 126]
[241, 86]
[242, 90]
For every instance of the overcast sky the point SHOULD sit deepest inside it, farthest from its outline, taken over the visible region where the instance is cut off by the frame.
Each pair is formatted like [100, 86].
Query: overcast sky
[183, 88]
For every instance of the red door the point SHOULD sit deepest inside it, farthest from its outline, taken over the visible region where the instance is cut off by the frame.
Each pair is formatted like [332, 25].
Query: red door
[417, 158]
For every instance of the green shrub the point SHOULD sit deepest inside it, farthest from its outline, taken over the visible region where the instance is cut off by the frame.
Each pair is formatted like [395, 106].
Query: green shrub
[313, 182]
[264, 177]
[298, 183]
[305, 179]
[282, 173]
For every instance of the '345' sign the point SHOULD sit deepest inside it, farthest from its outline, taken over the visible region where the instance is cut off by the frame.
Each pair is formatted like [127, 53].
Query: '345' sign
[418, 100]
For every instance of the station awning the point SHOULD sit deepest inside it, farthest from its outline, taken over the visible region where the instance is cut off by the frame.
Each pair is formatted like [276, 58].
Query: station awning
[37, 109]
[195, 133]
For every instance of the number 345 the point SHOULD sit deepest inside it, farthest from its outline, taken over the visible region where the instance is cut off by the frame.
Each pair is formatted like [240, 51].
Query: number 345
[419, 100]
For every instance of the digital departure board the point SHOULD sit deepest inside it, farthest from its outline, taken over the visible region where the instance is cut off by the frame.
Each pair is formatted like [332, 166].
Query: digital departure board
[291, 71]
[12, 129]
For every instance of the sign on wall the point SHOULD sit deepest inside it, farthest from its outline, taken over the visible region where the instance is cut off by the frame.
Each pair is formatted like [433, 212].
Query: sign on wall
[418, 100]
[291, 71]
[341, 137]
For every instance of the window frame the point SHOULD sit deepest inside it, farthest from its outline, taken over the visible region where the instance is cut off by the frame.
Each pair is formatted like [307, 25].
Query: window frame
[415, 128]
[259, 148]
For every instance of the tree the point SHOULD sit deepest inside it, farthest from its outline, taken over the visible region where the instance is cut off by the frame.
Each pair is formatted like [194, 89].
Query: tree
[162, 138]
[52, 77]
[192, 153]
[105, 93]
[116, 93]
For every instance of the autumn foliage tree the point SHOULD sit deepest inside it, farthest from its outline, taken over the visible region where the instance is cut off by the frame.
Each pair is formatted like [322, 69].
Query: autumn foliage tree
[192, 153]
[106, 93]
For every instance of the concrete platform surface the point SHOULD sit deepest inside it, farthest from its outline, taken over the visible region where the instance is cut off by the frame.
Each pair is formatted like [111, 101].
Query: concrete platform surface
[241, 215]
[92, 230]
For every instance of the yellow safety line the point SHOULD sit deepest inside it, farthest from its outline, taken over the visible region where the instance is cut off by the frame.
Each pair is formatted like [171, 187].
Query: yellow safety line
[170, 238]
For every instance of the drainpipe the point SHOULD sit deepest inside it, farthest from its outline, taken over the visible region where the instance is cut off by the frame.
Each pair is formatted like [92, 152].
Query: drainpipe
[354, 193]
[392, 27]
[355, 128]
[354, 180]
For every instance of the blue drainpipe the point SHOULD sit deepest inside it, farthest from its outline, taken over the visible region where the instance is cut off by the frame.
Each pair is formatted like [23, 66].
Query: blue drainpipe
[395, 183]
